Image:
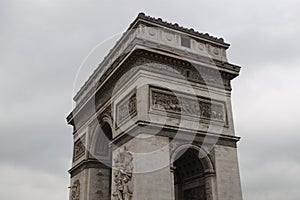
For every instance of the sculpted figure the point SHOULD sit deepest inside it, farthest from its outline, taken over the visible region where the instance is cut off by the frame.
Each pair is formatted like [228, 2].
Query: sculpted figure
[75, 190]
[123, 175]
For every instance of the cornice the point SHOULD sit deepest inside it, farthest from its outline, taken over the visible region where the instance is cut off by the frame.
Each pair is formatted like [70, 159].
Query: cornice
[225, 69]
[86, 164]
[125, 42]
[171, 131]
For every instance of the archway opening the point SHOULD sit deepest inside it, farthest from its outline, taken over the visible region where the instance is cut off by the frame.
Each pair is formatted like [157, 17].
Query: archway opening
[102, 147]
[189, 179]
[103, 153]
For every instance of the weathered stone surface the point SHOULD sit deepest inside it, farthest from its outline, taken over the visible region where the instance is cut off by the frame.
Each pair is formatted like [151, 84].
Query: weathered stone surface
[151, 177]
[227, 171]
[155, 121]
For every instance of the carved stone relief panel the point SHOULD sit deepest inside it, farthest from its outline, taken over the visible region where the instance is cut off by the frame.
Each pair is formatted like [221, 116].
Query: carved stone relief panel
[75, 190]
[126, 108]
[184, 105]
[123, 186]
[79, 148]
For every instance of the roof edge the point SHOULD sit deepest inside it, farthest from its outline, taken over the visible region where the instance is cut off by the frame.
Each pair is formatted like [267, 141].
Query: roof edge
[191, 31]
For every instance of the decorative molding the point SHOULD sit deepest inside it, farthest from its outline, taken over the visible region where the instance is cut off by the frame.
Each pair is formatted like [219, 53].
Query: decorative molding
[79, 148]
[106, 113]
[186, 105]
[86, 164]
[123, 186]
[156, 63]
[75, 190]
[126, 108]
[192, 73]
[178, 41]
[207, 162]
[133, 32]
[175, 26]
[126, 75]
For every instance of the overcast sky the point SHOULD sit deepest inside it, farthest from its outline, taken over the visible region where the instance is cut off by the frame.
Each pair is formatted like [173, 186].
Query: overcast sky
[44, 42]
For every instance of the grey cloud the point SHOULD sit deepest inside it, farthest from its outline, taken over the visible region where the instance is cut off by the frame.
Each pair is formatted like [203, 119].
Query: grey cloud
[20, 183]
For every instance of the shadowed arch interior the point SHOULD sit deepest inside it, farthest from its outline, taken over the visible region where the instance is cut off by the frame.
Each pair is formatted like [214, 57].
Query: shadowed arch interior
[103, 139]
[189, 179]
[102, 149]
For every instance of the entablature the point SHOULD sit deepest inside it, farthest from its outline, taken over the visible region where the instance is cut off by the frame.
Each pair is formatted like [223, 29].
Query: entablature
[147, 32]
[208, 73]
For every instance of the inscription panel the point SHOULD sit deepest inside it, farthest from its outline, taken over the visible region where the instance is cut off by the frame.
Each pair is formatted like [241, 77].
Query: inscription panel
[198, 107]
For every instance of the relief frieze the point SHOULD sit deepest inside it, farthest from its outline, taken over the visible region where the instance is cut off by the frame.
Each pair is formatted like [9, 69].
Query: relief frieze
[126, 108]
[195, 74]
[185, 105]
[79, 148]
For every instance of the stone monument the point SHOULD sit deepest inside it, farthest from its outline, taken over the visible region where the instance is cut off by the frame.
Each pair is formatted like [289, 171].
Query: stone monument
[154, 120]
